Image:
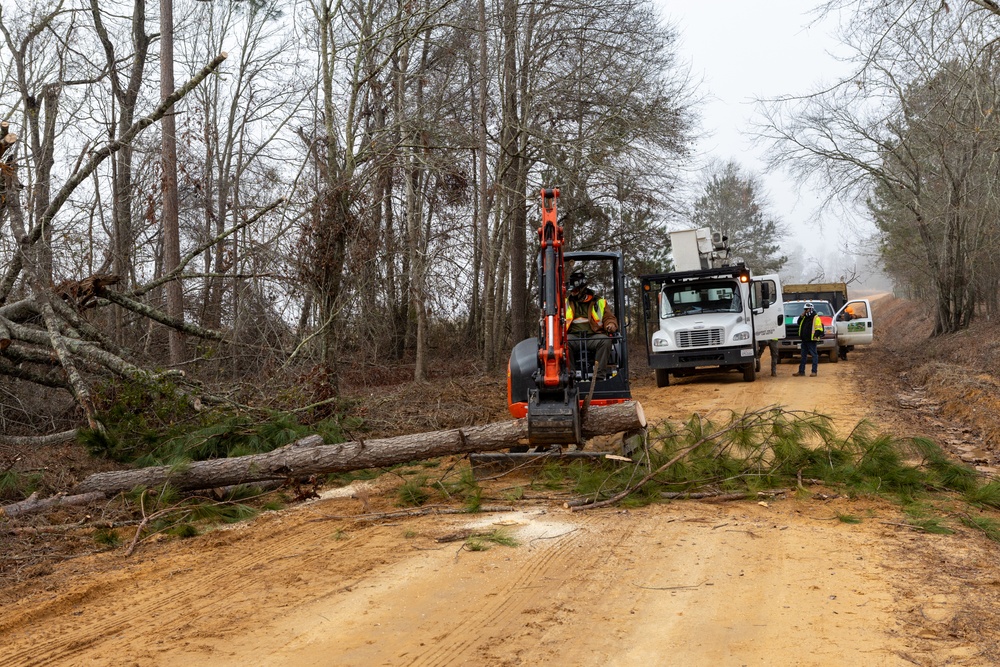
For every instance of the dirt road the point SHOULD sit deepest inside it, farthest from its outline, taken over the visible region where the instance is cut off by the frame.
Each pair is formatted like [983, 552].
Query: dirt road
[688, 583]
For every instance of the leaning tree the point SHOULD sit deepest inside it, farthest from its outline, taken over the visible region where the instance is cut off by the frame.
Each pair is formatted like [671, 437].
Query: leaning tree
[46, 336]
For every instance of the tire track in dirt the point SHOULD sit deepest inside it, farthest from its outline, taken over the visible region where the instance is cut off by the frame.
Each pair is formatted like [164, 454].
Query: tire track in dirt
[85, 620]
[512, 596]
[488, 596]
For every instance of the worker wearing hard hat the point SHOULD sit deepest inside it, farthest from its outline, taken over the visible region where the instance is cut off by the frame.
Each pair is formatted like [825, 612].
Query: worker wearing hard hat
[589, 321]
[810, 332]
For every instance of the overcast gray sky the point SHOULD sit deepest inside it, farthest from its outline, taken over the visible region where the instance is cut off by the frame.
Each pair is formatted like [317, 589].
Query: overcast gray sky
[745, 49]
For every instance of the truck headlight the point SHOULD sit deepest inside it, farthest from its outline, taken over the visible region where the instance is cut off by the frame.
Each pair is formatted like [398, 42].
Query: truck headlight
[743, 335]
[661, 341]
[828, 330]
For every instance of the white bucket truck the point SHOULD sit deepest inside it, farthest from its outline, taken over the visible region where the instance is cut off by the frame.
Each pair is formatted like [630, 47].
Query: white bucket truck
[711, 313]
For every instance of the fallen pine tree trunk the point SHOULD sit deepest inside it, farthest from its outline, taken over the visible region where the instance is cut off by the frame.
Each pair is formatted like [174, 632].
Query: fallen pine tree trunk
[309, 456]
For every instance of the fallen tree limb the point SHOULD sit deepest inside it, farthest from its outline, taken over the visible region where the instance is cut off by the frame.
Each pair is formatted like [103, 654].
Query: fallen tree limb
[720, 496]
[309, 456]
[35, 504]
[38, 440]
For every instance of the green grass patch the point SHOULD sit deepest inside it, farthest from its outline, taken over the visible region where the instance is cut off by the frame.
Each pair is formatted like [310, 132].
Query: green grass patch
[107, 537]
[18, 485]
[413, 492]
[514, 494]
[483, 541]
[183, 531]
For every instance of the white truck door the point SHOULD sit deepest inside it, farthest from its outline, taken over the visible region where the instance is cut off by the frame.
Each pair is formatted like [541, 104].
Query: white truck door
[855, 327]
[768, 322]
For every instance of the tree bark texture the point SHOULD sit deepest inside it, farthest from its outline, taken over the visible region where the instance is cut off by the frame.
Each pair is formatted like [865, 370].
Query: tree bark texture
[309, 456]
[171, 228]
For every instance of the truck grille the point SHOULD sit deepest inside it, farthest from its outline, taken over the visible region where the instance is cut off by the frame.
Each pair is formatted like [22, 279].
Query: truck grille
[699, 337]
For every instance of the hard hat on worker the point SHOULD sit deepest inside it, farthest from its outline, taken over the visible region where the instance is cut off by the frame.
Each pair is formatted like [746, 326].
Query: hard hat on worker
[577, 281]
[809, 305]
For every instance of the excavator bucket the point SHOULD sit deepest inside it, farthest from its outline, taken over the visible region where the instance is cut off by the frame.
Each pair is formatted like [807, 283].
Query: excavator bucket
[554, 422]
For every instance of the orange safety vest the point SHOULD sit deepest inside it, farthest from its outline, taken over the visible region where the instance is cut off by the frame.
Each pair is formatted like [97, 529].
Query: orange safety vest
[596, 314]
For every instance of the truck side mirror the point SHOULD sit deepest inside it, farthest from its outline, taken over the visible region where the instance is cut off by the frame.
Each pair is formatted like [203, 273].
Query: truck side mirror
[766, 296]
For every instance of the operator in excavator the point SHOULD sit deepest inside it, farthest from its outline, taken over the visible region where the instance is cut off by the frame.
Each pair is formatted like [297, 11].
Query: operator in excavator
[589, 322]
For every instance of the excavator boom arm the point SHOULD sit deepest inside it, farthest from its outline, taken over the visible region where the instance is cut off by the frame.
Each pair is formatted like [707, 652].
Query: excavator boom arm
[552, 355]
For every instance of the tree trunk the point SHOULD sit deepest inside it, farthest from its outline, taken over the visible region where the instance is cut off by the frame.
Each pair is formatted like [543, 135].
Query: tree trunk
[309, 456]
[171, 227]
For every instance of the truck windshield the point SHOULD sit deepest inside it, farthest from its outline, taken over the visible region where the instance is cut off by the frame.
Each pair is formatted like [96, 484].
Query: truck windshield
[718, 296]
[795, 308]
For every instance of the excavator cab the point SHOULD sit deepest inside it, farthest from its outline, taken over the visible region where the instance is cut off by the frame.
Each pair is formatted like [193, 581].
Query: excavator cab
[550, 380]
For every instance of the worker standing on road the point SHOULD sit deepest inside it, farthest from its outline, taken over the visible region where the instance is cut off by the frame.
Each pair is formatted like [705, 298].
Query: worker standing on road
[810, 332]
[589, 321]
[772, 348]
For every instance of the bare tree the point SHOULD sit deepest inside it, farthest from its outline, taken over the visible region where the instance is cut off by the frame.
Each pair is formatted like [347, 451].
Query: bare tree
[913, 133]
[171, 225]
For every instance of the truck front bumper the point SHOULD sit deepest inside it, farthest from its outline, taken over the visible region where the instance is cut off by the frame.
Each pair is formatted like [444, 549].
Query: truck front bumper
[695, 358]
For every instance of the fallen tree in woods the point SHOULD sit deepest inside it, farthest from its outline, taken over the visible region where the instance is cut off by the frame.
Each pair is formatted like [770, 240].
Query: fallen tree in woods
[309, 456]
[45, 338]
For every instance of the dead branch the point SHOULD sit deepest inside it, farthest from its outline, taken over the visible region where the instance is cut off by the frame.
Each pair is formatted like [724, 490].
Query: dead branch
[34, 504]
[38, 440]
[179, 269]
[57, 201]
[158, 315]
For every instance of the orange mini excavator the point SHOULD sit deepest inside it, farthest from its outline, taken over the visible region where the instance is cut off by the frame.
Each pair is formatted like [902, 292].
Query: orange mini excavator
[550, 380]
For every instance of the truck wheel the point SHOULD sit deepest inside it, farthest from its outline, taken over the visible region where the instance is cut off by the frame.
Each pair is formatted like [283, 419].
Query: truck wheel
[834, 357]
[749, 373]
[662, 377]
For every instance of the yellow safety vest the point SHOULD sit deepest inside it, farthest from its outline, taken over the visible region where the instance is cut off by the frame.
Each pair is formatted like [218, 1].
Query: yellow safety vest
[817, 327]
[596, 314]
